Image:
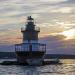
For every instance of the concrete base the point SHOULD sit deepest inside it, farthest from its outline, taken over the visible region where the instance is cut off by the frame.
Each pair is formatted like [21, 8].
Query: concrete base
[40, 64]
[34, 61]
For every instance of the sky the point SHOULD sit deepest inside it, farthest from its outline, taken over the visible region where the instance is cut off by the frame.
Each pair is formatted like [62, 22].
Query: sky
[54, 17]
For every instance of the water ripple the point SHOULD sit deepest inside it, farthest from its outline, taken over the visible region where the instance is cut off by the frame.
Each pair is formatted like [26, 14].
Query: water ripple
[64, 69]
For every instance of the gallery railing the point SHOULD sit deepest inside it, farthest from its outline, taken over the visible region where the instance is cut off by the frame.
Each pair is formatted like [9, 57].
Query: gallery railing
[30, 47]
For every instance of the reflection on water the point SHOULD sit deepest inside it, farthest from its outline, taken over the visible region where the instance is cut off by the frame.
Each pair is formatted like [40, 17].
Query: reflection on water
[63, 69]
[68, 61]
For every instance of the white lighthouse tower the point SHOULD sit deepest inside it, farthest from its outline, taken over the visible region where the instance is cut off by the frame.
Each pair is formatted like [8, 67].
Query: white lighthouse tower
[30, 51]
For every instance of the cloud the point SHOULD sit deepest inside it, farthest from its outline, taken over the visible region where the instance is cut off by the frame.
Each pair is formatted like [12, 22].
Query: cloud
[57, 45]
[6, 48]
[10, 37]
[53, 1]
[13, 15]
[63, 10]
[54, 44]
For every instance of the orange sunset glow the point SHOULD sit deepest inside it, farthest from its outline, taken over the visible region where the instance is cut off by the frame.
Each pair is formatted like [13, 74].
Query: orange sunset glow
[70, 34]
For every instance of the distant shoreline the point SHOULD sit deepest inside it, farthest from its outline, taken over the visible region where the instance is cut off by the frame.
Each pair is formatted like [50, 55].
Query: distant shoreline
[60, 56]
[11, 55]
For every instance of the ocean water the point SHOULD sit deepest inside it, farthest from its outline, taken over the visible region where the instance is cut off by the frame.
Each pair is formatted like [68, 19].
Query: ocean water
[67, 68]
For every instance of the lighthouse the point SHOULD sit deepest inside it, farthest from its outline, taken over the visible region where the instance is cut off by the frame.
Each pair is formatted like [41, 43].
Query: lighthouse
[30, 51]
[30, 33]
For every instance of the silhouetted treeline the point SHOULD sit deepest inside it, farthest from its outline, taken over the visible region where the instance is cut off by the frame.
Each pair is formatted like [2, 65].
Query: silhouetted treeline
[47, 56]
[7, 55]
[60, 56]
